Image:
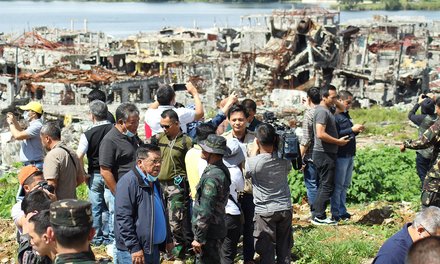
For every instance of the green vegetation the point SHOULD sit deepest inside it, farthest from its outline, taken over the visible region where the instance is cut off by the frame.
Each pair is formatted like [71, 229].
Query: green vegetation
[8, 191]
[359, 5]
[380, 174]
[338, 244]
[8, 186]
[380, 121]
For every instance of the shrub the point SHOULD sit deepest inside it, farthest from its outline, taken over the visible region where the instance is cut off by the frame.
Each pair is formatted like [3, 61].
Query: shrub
[381, 174]
[392, 4]
[384, 174]
[8, 191]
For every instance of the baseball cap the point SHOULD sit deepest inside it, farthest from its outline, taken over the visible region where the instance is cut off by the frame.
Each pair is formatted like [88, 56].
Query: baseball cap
[26, 172]
[34, 106]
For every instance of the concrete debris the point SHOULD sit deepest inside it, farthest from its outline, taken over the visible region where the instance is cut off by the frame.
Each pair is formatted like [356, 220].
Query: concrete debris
[273, 58]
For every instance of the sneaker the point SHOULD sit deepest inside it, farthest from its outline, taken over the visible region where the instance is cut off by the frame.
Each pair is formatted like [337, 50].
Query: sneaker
[110, 249]
[326, 221]
[345, 217]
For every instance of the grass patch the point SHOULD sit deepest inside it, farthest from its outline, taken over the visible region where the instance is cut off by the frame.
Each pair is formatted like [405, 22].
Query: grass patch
[380, 121]
[339, 244]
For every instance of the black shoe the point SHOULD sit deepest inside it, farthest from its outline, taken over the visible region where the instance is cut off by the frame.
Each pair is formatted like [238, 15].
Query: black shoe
[345, 217]
[335, 218]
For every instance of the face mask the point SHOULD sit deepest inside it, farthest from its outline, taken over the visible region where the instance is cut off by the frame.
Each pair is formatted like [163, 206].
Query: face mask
[128, 133]
[151, 178]
[26, 115]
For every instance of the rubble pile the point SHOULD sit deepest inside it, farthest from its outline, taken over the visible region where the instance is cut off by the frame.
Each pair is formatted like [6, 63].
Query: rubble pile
[272, 58]
[385, 59]
[95, 76]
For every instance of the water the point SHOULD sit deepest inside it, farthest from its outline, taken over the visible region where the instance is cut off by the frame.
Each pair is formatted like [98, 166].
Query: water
[127, 18]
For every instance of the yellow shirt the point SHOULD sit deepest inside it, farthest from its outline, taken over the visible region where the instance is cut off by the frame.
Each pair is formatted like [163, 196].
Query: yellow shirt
[195, 166]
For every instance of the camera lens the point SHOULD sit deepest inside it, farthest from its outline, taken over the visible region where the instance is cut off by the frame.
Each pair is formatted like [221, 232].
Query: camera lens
[49, 188]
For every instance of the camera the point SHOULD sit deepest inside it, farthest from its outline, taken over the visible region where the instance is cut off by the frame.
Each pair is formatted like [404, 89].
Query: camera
[46, 186]
[179, 87]
[288, 143]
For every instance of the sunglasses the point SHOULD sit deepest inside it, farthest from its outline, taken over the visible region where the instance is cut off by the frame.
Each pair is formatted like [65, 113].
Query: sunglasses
[156, 161]
[165, 126]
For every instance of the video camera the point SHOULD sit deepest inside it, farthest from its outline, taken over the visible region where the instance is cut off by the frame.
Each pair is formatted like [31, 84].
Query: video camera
[288, 142]
[46, 186]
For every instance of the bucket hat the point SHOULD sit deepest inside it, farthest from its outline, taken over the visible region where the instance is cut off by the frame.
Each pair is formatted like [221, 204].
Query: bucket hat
[214, 144]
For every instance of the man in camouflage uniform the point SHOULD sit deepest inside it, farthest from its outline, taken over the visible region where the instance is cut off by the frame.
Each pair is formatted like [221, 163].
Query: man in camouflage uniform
[208, 219]
[71, 221]
[173, 145]
[431, 137]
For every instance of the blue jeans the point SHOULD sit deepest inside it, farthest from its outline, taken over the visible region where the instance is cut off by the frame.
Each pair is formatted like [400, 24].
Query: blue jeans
[344, 172]
[124, 257]
[39, 165]
[110, 202]
[96, 197]
[310, 181]
[422, 165]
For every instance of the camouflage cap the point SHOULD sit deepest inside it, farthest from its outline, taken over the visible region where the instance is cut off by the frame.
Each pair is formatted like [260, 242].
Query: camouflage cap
[214, 144]
[71, 212]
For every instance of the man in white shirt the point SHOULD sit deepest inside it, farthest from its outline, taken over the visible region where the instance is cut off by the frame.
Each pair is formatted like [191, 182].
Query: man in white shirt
[233, 219]
[166, 99]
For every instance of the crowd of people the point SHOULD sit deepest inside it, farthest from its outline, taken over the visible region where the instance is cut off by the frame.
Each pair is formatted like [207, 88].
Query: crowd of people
[191, 187]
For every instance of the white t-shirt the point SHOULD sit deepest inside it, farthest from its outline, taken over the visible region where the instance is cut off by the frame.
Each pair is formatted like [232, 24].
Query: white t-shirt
[17, 213]
[83, 144]
[237, 185]
[152, 117]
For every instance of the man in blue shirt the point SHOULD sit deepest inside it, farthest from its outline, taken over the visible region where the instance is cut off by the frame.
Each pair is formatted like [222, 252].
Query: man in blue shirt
[425, 224]
[31, 151]
[140, 212]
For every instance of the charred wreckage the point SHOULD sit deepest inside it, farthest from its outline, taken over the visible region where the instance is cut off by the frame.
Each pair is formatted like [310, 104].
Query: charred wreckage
[273, 58]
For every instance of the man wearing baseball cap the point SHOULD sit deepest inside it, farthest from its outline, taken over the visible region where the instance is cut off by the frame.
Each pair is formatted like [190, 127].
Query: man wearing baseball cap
[71, 222]
[28, 177]
[31, 151]
[208, 219]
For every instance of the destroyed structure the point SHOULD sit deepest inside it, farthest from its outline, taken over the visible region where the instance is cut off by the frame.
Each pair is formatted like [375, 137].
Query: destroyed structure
[273, 58]
[385, 60]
